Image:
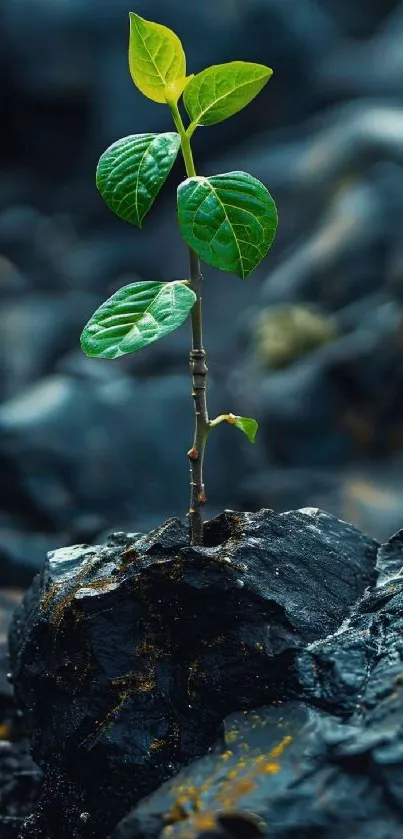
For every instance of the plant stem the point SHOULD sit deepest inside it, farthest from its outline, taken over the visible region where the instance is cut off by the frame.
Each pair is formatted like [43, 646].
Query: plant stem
[185, 141]
[198, 368]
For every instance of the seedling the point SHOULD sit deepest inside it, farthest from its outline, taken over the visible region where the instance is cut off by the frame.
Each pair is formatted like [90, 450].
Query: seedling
[227, 220]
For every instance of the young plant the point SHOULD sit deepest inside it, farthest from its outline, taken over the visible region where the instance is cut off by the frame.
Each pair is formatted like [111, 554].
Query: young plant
[228, 220]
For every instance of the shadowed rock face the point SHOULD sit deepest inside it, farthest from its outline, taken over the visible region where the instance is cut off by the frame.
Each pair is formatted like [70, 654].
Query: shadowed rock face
[127, 657]
[326, 768]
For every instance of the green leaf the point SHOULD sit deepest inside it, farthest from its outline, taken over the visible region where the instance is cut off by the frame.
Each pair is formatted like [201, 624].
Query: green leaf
[224, 89]
[131, 172]
[248, 425]
[229, 220]
[135, 316]
[156, 59]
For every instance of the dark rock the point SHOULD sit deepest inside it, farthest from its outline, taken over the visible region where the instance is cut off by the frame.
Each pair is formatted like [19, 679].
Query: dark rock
[20, 781]
[389, 561]
[8, 601]
[34, 331]
[127, 660]
[288, 773]
[359, 671]
[329, 768]
[20, 778]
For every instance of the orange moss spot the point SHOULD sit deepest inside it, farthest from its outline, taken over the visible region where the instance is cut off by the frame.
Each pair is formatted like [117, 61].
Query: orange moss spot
[4, 732]
[232, 736]
[137, 682]
[102, 725]
[196, 807]
[158, 744]
[182, 807]
[278, 750]
[271, 768]
[149, 647]
[130, 552]
[206, 821]
[241, 788]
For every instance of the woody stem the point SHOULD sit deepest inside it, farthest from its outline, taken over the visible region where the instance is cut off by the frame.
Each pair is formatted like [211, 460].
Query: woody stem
[198, 368]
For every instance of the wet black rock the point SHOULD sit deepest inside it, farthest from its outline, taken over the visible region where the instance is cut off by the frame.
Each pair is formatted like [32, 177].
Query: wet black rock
[289, 772]
[20, 778]
[126, 658]
[20, 781]
[329, 767]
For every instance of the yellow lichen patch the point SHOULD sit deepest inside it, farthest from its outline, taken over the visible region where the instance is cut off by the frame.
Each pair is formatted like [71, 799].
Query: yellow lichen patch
[193, 672]
[242, 787]
[59, 606]
[128, 556]
[278, 750]
[231, 736]
[217, 641]
[271, 768]
[129, 684]
[104, 584]
[102, 725]
[4, 732]
[50, 599]
[186, 803]
[196, 805]
[148, 647]
[137, 682]
[206, 821]
[49, 595]
[158, 743]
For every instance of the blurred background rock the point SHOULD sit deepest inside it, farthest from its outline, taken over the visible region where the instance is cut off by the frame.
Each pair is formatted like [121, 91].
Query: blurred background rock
[311, 345]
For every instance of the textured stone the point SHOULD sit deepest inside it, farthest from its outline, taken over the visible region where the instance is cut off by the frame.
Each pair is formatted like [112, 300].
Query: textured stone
[331, 767]
[126, 658]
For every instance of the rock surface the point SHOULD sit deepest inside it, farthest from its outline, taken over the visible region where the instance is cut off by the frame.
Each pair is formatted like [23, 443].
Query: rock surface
[20, 777]
[126, 658]
[329, 767]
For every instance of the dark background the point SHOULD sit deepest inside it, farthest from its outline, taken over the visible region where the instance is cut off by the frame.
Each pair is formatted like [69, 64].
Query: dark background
[311, 345]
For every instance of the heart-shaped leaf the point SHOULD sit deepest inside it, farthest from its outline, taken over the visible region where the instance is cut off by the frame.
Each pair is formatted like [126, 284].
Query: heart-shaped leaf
[135, 316]
[131, 172]
[156, 59]
[229, 220]
[224, 89]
